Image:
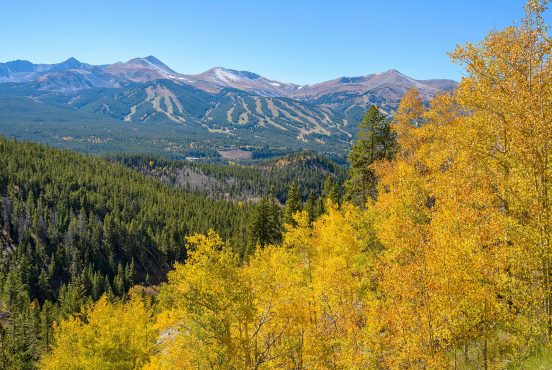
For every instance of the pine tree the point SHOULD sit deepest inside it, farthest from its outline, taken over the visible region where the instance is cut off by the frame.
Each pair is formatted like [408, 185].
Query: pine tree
[332, 191]
[293, 203]
[130, 274]
[310, 207]
[375, 141]
[46, 320]
[119, 282]
[265, 224]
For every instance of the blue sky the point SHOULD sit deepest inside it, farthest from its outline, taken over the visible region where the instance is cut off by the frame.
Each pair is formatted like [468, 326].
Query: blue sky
[301, 41]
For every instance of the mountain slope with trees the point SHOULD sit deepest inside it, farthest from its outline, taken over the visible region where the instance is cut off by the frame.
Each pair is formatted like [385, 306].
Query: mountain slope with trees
[243, 181]
[175, 114]
[75, 227]
[447, 265]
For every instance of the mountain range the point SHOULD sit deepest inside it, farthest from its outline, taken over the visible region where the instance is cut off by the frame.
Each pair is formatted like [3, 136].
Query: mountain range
[236, 109]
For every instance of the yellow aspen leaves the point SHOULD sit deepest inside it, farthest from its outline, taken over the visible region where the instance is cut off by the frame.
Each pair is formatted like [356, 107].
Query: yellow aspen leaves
[112, 336]
[450, 266]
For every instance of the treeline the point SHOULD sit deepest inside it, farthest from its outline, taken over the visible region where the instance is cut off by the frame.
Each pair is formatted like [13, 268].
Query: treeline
[443, 262]
[242, 181]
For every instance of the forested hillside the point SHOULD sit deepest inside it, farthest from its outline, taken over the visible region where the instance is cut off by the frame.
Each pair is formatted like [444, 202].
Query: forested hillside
[441, 262]
[243, 181]
[76, 227]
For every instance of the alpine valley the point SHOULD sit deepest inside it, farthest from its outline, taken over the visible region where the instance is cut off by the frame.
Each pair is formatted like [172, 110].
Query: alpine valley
[145, 106]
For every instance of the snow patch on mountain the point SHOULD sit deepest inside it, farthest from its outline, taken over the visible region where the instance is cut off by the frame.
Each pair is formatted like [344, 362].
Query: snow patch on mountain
[224, 75]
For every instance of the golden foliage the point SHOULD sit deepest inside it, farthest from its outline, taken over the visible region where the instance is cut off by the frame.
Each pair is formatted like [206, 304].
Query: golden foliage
[112, 336]
[300, 305]
[450, 267]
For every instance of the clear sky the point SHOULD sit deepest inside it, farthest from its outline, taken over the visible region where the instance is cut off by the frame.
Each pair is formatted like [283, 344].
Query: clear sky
[301, 41]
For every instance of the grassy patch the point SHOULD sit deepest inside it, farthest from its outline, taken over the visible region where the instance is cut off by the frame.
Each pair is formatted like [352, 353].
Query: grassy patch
[542, 360]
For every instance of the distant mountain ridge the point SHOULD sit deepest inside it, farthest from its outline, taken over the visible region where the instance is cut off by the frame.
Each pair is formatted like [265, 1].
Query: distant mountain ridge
[150, 68]
[238, 107]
